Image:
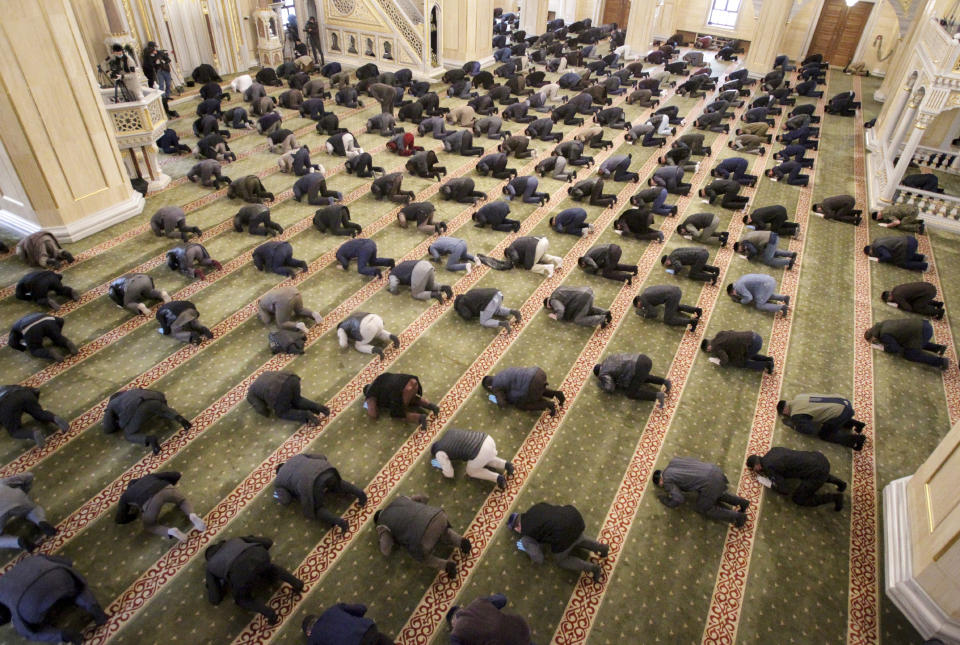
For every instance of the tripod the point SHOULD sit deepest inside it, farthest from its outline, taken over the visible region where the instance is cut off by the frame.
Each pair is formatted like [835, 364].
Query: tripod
[120, 92]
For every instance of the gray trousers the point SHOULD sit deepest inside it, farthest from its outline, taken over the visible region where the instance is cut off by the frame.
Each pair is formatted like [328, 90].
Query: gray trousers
[35, 516]
[493, 309]
[151, 510]
[566, 559]
[423, 285]
[709, 503]
[706, 233]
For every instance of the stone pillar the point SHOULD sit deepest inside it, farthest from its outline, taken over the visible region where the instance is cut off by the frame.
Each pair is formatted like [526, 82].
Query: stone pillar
[921, 527]
[466, 33]
[533, 16]
[568, 11]
[771, 23]
[903, 128]
[55, 131]
[889, 122]
[919, 126]
[114, 17]
[640, 26]
[585, 9]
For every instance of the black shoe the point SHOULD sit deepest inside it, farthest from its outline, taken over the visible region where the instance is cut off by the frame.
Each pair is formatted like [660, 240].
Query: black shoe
[501, 482]
[342, 524]
[842, 486]
[724, 237]
[47, 528]
[744, 505]
[464, 545]
[770, 365]
[446, 290]
[26, 544]
[740, 521]
[508, 468]
[838, 502]
[154, 445]
[450, 568]
[858, 444]
[561, 397]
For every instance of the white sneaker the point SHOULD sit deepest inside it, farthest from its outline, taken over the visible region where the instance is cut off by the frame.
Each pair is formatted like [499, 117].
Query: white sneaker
[549, 270]
[302, 327]
[467, 268]
[197, 522]
[317, 318]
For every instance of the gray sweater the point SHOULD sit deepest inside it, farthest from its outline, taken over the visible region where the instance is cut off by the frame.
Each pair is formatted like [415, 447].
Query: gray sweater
[295, 480]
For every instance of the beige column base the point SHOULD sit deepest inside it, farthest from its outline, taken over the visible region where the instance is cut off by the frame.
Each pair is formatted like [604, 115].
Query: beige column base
[81, 228]
[901, 585]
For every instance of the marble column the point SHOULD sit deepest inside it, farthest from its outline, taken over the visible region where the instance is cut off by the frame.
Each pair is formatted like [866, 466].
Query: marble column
[465, 36]
[533, 16]
[640, 26]
[888, 122]
[770, 27]
[585, 9]
[55, 131]
[899, 170]
[114, 17]
[903, 128]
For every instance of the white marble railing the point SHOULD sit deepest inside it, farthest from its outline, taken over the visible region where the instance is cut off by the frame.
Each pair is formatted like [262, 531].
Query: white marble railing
[937, 159]
[413, 9]
[136, 123]
[929, 204]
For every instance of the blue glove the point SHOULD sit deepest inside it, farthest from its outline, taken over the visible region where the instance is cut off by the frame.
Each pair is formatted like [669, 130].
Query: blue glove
[436, 464]
[492, 398]
[520, 546]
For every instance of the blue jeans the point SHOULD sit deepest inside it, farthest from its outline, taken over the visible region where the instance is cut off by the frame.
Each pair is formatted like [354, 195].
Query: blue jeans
[774, 257]
[164, 82]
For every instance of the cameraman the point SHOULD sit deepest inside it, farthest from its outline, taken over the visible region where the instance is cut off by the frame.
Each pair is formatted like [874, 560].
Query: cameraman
[123, 68]
[151, 63]
[313, 35]
[156, 67]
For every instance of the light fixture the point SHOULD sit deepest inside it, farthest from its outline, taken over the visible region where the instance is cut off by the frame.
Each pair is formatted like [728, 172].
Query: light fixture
[850, 3]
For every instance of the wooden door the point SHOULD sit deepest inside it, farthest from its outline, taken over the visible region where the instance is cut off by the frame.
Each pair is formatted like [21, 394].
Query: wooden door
[616, 11]
[839, 30]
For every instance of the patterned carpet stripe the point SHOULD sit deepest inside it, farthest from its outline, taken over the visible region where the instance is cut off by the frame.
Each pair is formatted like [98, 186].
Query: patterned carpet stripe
[212, 232]
[136, 596]
[581, 611]
[188, 208]
[942, 334]
[325, 554]
[723, 616]
[863, 610]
